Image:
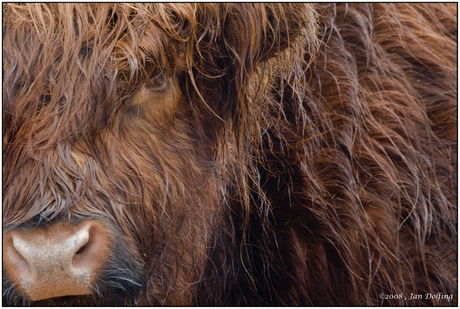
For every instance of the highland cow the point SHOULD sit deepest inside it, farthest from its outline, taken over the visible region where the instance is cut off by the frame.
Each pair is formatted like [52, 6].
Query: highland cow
[229, 154]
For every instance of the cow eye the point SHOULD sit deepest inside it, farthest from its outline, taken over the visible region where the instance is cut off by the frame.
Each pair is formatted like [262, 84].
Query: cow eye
[156, 83]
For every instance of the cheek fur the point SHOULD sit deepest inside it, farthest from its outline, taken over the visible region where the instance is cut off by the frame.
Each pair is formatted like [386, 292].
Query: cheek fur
[230, 154]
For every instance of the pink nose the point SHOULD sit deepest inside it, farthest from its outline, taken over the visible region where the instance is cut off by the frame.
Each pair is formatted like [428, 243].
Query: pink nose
[58, 261]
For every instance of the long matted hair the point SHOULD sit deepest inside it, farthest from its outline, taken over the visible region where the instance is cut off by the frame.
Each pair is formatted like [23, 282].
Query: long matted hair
[298, 154]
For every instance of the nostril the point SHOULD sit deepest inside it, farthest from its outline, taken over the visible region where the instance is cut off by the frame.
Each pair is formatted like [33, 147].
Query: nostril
[82, 240]
[80, 251]
[82, 260]
[16, 252]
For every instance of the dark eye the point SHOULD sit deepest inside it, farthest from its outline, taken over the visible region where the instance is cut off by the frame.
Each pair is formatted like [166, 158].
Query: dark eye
[156, 83]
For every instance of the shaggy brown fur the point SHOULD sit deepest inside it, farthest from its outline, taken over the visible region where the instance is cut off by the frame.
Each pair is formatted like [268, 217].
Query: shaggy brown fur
[246, 153]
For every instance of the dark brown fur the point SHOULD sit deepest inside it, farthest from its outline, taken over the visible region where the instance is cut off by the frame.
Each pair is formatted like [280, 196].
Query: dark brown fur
[296, 155]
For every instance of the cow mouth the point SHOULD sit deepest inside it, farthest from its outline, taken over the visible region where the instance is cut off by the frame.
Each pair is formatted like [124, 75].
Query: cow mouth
[80, 300]
[111, 289]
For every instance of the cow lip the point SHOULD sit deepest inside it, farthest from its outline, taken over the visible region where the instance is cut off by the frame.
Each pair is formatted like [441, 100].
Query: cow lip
[69, 287]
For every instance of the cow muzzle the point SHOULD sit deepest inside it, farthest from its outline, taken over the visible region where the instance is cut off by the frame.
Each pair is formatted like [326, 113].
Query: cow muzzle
[60, 260]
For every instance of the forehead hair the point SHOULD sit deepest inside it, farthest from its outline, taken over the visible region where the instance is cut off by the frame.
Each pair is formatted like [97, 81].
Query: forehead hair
[68, 67]
[126, 35]
[78, 61]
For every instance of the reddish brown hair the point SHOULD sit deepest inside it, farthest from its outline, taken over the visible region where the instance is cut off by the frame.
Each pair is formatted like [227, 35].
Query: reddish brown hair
[246, 153]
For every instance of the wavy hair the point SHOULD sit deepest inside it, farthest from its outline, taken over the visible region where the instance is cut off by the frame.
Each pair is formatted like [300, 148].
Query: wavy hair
[284, 154]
